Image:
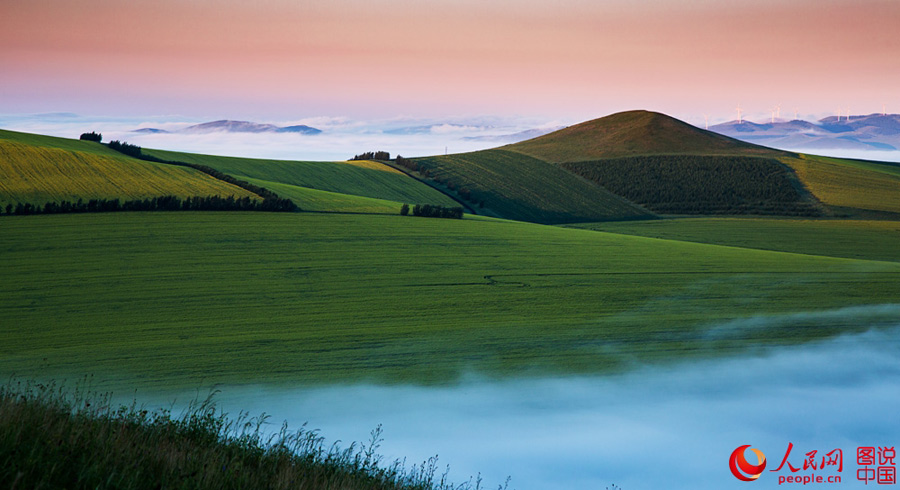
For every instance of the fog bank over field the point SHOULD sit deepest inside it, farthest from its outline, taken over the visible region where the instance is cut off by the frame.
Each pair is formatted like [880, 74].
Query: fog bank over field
[341, 137]
[671, 426]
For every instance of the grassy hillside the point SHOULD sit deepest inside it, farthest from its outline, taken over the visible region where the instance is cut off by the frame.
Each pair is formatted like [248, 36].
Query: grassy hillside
[181, 299]
[39, 174]
[620, 162]
[666, 166]
[633, 133]
[58, 143]
[693, 184]
[358, 178]
[328, 202]
[851, 187]
[519, 187]
[51, 437]
[856, 239]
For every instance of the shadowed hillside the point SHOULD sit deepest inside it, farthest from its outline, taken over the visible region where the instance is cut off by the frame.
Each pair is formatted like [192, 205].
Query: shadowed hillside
[702, 184]
[519, 187]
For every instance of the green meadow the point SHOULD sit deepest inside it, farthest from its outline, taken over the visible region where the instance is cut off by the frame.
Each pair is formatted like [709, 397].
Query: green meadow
[854, 239]
[355, 292]
[180, 300]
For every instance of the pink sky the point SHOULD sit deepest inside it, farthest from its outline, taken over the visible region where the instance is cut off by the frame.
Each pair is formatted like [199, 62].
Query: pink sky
[580, 59]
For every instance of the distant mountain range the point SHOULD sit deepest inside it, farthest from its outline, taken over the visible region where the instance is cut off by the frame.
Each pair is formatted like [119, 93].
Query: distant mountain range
[869, 132]
[229, 126]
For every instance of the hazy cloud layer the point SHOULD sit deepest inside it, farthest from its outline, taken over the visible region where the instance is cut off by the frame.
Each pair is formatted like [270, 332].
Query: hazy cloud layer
[342, 137]
[662, 427]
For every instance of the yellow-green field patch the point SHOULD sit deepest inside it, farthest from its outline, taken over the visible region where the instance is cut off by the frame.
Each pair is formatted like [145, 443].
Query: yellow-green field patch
[848, 185]
[35, 174]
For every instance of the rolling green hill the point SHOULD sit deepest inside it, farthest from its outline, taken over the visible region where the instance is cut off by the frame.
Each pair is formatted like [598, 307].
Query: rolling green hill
[622, 167]
[36, 169]
[633, 133]
[178, 299]
[385, 187]
[640, 162]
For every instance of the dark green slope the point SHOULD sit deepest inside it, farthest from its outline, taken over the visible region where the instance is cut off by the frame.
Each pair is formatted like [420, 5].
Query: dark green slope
[515, 186]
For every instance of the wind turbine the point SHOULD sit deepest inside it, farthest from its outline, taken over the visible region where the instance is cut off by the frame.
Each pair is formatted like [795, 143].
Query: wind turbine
[884, 109]
[796, 114]
[838, 112]
[740, 113]
[848, 114]
[706, 118]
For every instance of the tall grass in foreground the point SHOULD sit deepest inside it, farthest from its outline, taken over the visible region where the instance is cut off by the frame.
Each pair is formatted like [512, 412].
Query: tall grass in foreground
[53, 437]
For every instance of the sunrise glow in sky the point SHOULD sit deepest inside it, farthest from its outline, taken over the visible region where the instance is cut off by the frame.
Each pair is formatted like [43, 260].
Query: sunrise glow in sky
[575, 59]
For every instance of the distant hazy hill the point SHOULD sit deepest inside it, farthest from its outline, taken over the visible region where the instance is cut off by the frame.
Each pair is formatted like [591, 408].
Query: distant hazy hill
[151, 131]
[300, 128]
[229, 126]
[869, 132]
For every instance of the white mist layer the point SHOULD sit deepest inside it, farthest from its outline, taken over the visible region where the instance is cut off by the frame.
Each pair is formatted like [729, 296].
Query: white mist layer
[669, 427]
[341, 138]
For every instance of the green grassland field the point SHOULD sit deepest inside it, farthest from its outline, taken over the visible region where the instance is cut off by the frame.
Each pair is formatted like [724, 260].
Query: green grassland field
[168, 300]
[855, 239]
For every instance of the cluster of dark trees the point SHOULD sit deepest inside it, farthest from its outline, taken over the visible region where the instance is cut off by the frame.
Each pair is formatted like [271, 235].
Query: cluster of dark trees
[372, 155]
[122, 147]
[275, 200]
[407, 163]
[433, 211]
[160, 203]
[92, 136]
[687, 184]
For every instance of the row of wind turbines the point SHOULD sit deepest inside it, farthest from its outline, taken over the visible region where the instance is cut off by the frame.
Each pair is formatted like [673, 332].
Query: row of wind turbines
[776, 114]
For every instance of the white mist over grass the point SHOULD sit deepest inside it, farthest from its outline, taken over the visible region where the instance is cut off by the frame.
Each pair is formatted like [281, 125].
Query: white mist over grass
[670, 426]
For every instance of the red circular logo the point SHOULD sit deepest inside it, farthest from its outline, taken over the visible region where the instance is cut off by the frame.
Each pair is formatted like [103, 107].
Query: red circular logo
[742, 469]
